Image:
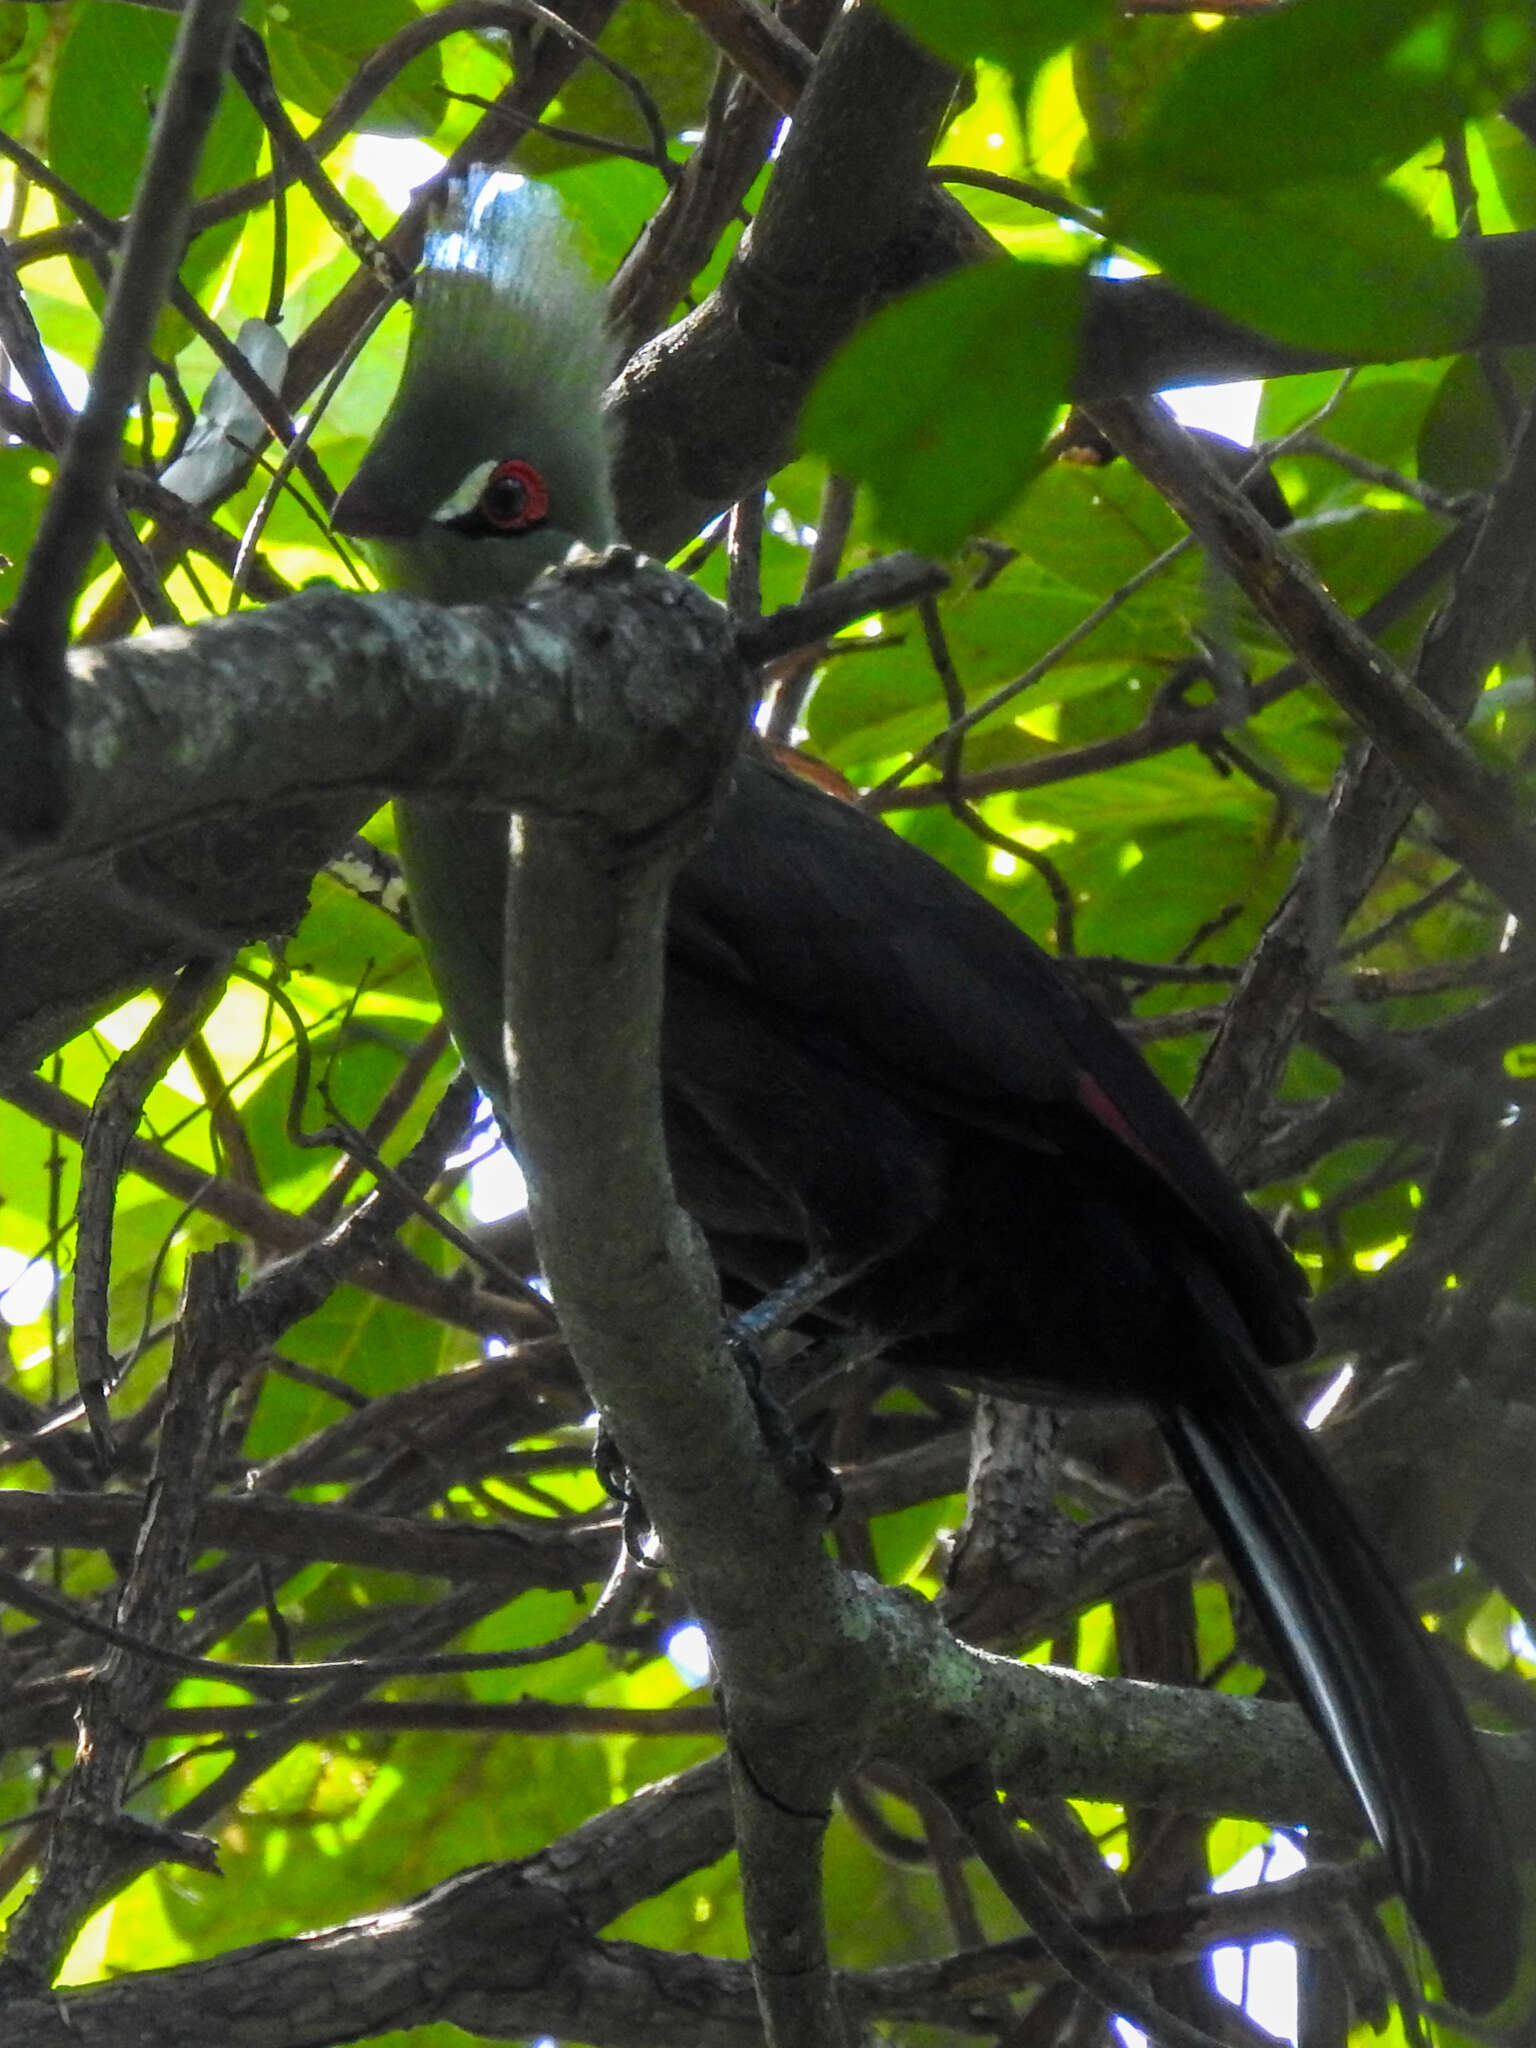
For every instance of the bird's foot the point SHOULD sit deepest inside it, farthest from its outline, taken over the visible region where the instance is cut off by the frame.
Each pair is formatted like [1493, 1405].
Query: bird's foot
[809, 1476]
[804, 1291]
[613, 1477]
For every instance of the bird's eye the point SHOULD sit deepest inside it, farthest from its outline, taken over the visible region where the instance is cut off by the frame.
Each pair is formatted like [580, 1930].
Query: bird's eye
[514, 498]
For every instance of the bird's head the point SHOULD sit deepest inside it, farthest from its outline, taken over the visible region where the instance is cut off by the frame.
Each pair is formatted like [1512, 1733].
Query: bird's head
[493, 458]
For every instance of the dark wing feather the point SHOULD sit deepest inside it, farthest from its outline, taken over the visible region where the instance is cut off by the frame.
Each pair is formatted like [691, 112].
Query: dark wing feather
[1356, 1657]
[843, 928]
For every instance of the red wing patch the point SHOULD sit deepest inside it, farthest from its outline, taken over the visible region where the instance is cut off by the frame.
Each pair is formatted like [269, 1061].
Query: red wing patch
[809, 769]
[1104, 1111]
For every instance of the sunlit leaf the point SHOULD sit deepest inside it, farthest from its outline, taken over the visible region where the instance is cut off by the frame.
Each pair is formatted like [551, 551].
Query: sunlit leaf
[316, 48]
[1337, 265]
[1317, 91]
[109, 79]
[941, 403]
[1019, 38]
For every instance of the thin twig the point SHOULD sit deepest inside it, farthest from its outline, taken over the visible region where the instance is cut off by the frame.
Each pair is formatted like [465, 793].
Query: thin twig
[103, 1152]
[744, 555]
[1403, 721]
[760, 46]
[1060, 205]
[252, 72]
[965, 811]
[1165, 727]
[93, 1846]
[834, 522]
[72, 517]
[403, 1278]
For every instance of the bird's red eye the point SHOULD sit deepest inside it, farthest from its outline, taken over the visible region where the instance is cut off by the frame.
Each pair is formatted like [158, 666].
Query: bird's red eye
[515, 498]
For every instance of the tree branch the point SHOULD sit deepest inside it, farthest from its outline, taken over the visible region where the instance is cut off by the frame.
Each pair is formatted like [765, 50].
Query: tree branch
[391, 694]
[1478, 806]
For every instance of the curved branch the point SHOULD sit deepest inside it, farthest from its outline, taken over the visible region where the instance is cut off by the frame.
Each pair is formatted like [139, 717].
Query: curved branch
[390, 695]
[1409, 728]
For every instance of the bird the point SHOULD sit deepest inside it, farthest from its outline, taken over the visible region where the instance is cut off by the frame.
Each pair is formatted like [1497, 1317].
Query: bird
[868, 1067]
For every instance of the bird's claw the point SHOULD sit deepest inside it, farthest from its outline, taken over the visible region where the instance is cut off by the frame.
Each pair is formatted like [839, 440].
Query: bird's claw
[808, 1475]
[613, 1477]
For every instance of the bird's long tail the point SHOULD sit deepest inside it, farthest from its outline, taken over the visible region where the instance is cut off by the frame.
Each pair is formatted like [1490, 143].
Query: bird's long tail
[1359, 1663]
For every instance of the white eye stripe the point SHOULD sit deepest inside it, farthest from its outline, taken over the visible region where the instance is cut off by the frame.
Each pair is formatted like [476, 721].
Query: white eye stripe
[467, 496]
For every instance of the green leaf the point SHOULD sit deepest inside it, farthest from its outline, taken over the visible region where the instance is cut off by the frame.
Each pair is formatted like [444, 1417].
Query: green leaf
[22, 30]
[1020, 38]
[1095, 528]
[357, 1062]
[1362, 552]
[14, 32]
[1080, 533]
[316, 47]
[25, 37]
[110, 77]
[1512, 163]
[941, 403]
[1337, 265]
[1461, 445]
[660, 45]
[1120, 75]
[25, 476]
[611, 199]
[1379, 414]
[1319, 91]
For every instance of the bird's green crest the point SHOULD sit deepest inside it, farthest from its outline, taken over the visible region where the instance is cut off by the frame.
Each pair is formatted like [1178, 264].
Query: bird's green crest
[508, 361]
[505, 299]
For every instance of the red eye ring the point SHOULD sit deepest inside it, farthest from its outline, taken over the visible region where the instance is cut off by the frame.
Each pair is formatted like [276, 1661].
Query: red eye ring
[515, 497]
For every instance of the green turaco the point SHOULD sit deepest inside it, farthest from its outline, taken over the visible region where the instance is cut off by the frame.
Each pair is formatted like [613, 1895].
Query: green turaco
[866, 1064]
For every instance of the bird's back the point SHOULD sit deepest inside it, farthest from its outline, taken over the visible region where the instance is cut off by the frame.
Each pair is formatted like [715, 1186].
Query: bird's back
[866, 1060]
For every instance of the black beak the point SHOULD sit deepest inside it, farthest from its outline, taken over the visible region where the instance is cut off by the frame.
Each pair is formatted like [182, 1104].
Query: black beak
[367, 510]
